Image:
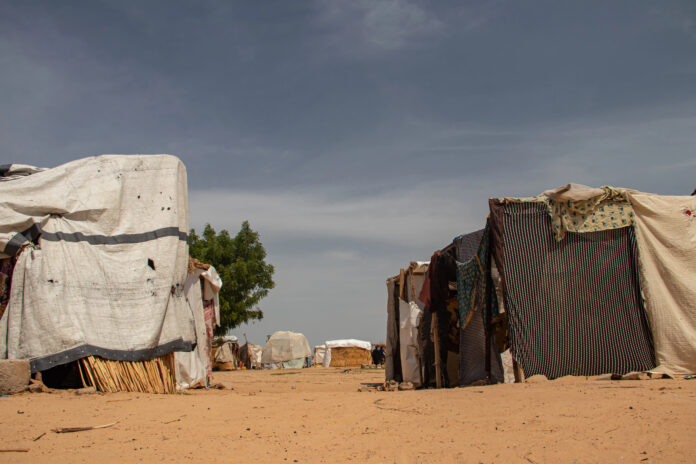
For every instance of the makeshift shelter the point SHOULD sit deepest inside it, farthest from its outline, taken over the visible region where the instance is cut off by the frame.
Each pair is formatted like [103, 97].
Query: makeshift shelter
[251, 356]
[99, 253]
[347, 353]
[226, 354]
[319, 355]
[289, 349]
[575, 281]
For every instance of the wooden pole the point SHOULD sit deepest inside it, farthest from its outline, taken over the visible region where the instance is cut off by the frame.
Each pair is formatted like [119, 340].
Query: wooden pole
[487, 310]
[436, 341]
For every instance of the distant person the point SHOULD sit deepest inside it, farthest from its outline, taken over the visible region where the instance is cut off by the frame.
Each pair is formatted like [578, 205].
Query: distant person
[377, 355]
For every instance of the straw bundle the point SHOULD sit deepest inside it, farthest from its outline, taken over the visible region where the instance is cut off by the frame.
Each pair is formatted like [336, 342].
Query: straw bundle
[153, 376]
[350, 356]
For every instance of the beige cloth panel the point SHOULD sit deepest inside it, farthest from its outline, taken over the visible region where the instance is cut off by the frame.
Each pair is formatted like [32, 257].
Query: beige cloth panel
[666, 237]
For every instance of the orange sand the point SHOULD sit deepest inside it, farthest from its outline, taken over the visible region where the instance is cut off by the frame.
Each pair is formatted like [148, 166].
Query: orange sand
[317, 415]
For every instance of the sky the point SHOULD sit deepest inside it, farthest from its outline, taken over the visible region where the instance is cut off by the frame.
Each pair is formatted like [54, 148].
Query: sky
[355, 135]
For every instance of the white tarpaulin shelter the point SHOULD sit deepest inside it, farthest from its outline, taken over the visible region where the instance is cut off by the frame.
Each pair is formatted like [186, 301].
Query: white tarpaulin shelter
[319, 354]
[349, 343]
[285, 346]
[102, 255]
[252, 355]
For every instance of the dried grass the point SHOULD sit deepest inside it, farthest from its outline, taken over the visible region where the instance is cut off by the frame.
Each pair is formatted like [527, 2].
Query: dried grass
[350, 356]
[153, 376]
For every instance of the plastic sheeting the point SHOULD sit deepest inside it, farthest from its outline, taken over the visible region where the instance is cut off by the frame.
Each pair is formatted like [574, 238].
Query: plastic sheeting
[409, 315]
[104, 261]
[192, 367]
[319, 354]
[285, 346]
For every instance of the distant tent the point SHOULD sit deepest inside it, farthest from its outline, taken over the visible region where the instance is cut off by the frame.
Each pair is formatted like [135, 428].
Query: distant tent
[289, 348]
[319, 354]
[226, 354]
[251, 356]
[347, 353]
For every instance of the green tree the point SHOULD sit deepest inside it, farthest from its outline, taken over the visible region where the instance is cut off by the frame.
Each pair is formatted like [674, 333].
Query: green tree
[240, 262]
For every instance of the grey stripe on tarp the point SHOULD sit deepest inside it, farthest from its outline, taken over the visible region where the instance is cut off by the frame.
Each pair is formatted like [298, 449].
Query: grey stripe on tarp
[115, 239]
[73, 354]
[19, 240]
[574, 306]
[34, 232]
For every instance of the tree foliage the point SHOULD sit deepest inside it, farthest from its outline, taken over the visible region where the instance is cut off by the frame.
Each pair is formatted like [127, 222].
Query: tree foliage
[240, 262]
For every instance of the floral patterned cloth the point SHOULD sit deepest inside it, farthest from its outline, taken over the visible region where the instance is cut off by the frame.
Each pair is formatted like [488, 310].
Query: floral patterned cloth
[611, 210]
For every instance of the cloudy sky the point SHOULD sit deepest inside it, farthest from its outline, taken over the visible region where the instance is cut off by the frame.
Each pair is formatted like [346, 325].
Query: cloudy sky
[355, 135]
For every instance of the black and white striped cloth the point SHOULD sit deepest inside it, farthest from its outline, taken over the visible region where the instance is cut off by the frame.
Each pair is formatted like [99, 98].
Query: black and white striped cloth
[574, 306]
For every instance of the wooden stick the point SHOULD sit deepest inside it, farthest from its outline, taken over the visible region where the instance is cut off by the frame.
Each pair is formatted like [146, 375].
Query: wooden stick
[82, 377]
[17, 450]
[37, 438]
[487, 310]
[82, 429]
[436, 341]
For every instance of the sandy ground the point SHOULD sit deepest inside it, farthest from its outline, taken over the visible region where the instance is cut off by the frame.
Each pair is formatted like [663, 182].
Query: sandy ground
[317, 415]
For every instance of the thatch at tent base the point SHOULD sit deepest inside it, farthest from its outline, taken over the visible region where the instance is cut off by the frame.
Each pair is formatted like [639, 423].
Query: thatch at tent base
[153, 376]
[350, 356]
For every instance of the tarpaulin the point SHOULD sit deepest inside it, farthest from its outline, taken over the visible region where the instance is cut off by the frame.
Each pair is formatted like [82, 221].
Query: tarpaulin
[102, 259]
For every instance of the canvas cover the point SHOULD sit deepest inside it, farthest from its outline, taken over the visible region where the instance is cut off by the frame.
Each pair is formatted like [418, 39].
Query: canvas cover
[666, 236]
[285, 346]
[102, 260]
[192, 366]
[326, 362]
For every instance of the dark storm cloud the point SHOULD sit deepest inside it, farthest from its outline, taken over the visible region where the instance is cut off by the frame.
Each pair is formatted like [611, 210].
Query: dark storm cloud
[356, 134]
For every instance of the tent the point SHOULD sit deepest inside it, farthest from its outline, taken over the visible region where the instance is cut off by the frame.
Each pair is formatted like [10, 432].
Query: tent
[226, 354]
[251, 356]
[347, 353]
[289, 348]
[319, 354]
[99, 253]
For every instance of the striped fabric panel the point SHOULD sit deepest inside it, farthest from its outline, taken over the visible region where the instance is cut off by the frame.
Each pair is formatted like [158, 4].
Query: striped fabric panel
[574, 307]
[472, 354]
